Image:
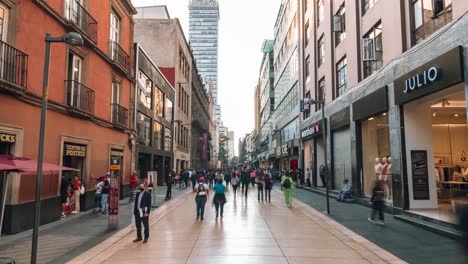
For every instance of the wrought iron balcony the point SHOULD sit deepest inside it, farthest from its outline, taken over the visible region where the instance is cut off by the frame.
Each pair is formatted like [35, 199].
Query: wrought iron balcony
[119, 56]
[119, 115]
[13, 65]
[79, 16]
[79, 96]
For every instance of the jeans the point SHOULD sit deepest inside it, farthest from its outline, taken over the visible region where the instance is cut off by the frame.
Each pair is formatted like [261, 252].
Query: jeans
[218, 206]
[97, 201]
[169, 191]
[138, 221]
[200, 201]
[260, 190]
[268, 194]
[104, 202]
[234, 187]
[252, 181]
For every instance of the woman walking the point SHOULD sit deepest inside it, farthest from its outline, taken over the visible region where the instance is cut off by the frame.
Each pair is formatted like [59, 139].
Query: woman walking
[235, 184]
[260, 179]
[219, 198]
[202, 190]
[268, 186]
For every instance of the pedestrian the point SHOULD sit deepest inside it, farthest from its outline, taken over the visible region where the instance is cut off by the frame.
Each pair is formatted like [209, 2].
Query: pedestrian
[260, 180]
[287, 185]
[245, 180]
[202, 192]
[133, 185]
[463, 220]
[185, 177]
[309, 178]
[268, 186]
[345, 191]
[98, 196]
[63, 194]
[235, 184]
[169, 185]
[378, 205]
[219, 198]
[142, 210]
[193, 178]
[227, 178]
[76, 194]
[253, 174]
[105, 193]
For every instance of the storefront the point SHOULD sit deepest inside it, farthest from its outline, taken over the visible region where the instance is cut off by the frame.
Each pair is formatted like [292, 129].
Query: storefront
[433, 106]
[341, 148]
[373, 136]
[7, 142]
[311, 137]
[287, 154]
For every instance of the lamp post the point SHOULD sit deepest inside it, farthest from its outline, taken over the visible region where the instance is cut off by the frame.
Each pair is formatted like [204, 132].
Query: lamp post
[74, 39]
[324, 134]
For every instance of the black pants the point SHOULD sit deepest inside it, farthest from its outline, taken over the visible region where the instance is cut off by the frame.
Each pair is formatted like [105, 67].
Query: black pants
[268, 194]
[234, 187]
[169, 191]
[378, 206]
[252, 181]
[138, 221]
[260, 190]
[245, 188]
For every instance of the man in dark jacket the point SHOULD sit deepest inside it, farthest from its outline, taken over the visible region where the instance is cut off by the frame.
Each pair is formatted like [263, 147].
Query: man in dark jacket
[169, 180]
[142, 210]
[245, 180]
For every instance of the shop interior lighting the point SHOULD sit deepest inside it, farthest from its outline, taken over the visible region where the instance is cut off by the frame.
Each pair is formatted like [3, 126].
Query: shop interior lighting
[370, 119]
[455, 115]
[384, 114]
[434, 114]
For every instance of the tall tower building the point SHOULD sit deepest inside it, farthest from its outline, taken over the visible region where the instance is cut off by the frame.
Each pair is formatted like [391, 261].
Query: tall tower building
[203, 37]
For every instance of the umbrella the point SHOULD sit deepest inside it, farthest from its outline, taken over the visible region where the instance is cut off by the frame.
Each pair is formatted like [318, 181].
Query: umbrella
[10, 162]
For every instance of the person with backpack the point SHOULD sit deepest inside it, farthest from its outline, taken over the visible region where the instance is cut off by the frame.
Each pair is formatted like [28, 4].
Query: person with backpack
[378, 204]
[219, 198]
[202, 191]
[235, 184]
[105, 193]
[268, 186]
[287, 184]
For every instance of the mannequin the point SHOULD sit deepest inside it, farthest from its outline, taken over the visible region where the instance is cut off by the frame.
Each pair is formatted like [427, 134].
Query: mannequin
[377, 168]
[389, 179]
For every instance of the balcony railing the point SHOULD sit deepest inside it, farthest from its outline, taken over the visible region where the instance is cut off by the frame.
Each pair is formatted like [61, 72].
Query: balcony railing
[119, 56]
[13, 65]
[79, 16]
[79, 96]
[119, 115]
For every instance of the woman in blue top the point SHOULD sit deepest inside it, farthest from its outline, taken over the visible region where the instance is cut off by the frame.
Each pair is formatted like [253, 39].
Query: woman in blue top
[219, 198]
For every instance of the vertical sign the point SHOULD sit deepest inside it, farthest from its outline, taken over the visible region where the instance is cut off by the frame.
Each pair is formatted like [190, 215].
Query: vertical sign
[420, 174]
[114, 192]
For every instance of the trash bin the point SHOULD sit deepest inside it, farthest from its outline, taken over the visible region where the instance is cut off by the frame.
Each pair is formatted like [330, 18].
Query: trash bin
[7, 261]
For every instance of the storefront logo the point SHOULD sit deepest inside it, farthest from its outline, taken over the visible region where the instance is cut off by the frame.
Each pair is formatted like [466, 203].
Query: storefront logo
[278, 151]
[421, 80]
[75, 150]
[284, 149]
[309, 131]
[7, 138]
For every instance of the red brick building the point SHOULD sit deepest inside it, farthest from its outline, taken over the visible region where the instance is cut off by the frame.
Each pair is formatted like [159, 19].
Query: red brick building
[90, 93]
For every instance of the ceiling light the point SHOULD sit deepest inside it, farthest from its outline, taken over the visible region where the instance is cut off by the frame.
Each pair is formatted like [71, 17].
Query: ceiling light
[384, 114]
[370, 119]
[455, 115]
[434, 114]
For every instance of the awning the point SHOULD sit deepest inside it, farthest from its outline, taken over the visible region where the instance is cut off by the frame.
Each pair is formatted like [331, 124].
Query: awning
[13, 163]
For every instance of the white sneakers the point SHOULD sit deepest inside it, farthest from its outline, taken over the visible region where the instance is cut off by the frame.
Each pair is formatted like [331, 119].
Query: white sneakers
[75, 212]
[375, 222]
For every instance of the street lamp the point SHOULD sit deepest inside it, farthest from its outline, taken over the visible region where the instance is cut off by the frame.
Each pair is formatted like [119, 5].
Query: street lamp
[324, 134]
[74, 39]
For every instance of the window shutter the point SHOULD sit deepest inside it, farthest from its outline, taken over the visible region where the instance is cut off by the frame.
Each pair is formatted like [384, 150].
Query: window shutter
[337, 23]
[368, 49]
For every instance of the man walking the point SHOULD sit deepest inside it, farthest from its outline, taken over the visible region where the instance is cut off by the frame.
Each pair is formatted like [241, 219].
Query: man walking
[169, 185]
[245, 180]
[287, 185]
[105, 193]
[141, 210]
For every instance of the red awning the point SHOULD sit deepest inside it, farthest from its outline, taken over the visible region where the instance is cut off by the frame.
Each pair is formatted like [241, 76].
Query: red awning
[13, 163]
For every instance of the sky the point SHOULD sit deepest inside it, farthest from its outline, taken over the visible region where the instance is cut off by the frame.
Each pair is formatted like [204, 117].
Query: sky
[243, 26]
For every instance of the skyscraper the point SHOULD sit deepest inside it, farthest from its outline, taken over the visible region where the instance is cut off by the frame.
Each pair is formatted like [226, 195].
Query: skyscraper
[203, 37]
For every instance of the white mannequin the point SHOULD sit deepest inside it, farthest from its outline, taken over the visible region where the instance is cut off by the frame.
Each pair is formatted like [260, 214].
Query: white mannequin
[389, 169]
[384, 177]
[377, 168]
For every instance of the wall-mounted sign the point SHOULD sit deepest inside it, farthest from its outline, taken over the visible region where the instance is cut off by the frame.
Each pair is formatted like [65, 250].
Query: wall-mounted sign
[285, 150]
[310, 130]
[278, 152]
[420, 175]
[435, 75]
[74, 150]
[7, 138]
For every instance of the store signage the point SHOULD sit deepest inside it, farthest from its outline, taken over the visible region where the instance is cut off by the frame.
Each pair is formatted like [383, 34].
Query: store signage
[421, 80]
[7, 138]
[278, 151]
[435, 75]
[420, 175]
[75, 150]
[114, 195]
[310, 131]
[285, 150]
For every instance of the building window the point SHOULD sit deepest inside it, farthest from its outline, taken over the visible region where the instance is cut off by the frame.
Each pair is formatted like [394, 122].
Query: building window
[143, 130]
[115, 93]
[144, 90]
[3, 22]
[167, 139]
[429, 16]
[305, 5]
[339, 21]
[158, 102]
[307, 69]
[372, 50]
[321, 51]
[114, 27]
[157, 135]
[168, 110]
[306, 34]
[320, 11]
[321, 91]
[367, 4]
[341, 76]
[307, 113]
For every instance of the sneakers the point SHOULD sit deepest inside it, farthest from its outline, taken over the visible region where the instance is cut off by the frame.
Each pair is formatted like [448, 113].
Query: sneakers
[382, 223]
[75, 212]
[370, 220]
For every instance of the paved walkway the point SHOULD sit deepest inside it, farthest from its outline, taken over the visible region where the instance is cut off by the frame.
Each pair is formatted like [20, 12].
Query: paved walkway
[410, 243]
[251, 232]
[67, 238]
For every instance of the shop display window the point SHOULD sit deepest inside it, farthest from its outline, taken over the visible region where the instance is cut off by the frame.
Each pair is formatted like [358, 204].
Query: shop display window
[376, 160]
